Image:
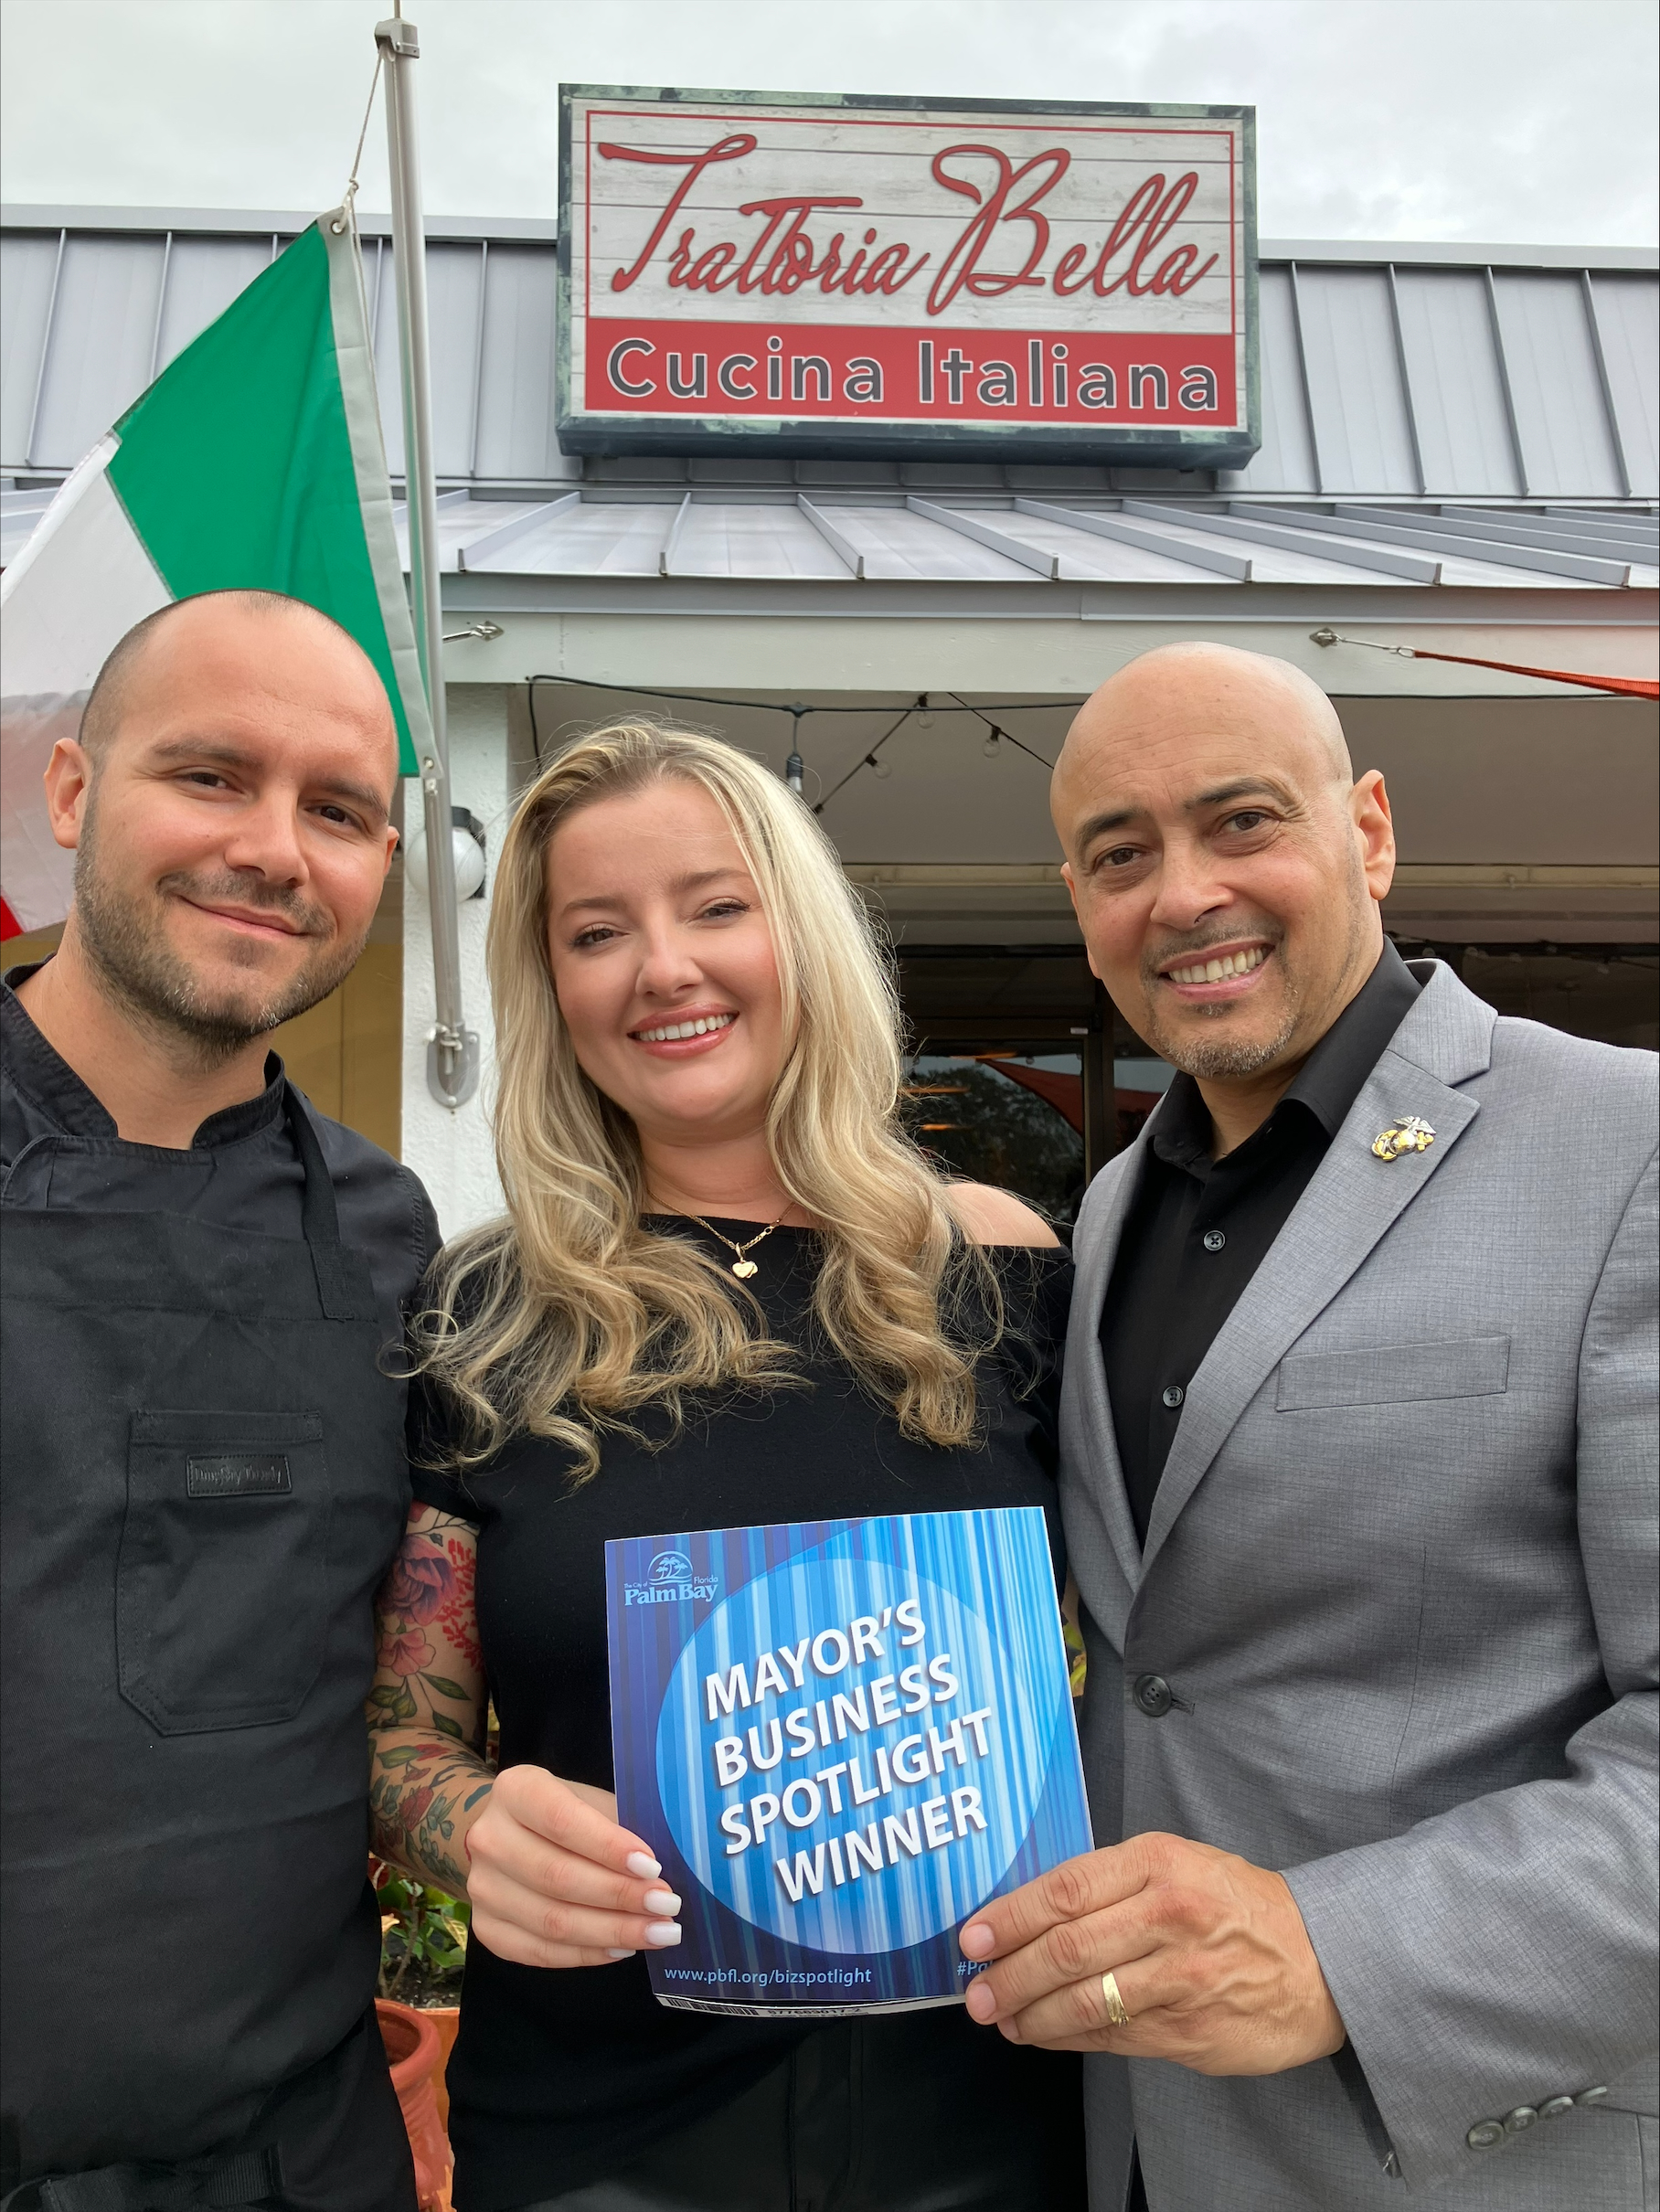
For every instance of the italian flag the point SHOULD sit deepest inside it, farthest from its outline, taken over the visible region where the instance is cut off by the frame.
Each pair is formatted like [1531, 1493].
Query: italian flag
[254, 460]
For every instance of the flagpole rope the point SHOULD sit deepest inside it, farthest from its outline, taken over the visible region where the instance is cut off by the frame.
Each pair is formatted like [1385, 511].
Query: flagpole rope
[348, 204]
[349, 199]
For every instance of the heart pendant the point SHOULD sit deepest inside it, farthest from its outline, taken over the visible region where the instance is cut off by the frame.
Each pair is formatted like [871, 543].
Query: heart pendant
[744, 1268]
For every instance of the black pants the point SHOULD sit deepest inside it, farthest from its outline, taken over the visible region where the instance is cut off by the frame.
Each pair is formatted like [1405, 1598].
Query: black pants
[838, 2129]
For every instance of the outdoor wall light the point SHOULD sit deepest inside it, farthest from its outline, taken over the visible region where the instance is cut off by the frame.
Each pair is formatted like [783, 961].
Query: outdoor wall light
[467, 837]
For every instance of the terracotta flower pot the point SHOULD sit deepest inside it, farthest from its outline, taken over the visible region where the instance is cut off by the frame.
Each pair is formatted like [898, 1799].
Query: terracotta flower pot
[415, 2052]
[446, 2019]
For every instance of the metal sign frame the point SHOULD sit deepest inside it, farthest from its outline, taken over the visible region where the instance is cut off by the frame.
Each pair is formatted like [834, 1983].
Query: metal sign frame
[1168, 446]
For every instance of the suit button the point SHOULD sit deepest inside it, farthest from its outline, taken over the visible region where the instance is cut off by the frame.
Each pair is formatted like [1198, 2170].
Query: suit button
[1213, 1241]
[1152, 1694]
[1553, 2107]
[1174, 1396]
[1591, 2096]
[1484, 2134]
[1523, 2117]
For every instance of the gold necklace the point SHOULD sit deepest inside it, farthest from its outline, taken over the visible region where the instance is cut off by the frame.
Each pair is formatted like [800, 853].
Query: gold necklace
[742, 1267]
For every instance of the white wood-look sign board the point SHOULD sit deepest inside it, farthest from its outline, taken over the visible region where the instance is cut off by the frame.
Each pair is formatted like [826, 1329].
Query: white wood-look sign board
[814, 275]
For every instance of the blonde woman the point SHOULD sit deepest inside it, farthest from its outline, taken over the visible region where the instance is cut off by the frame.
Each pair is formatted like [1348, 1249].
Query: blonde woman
[726, 1290]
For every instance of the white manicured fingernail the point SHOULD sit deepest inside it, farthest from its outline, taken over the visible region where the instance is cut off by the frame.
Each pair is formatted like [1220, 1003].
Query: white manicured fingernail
[662, 1933]
[661, 1901]
[619, 1954]
[647, 1868]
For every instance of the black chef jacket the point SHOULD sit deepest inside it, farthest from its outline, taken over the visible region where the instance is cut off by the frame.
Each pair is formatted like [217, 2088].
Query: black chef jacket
[243, 1172]
[1198, 1229]
[189, 1556]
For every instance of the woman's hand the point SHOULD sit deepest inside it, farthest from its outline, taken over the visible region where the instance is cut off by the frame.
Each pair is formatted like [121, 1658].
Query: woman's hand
[555, 1882]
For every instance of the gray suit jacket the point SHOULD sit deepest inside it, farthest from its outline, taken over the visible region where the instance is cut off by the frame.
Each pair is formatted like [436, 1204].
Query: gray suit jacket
[1400, 1577]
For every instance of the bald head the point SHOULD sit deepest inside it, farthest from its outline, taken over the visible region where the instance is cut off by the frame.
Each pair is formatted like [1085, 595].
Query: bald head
[228, 804]
[215, 622]
[1225, 864]
[1199, 685]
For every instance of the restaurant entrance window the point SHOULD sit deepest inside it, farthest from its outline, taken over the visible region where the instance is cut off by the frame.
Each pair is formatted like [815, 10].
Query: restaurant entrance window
[1009, 1071]
[1003, 1116]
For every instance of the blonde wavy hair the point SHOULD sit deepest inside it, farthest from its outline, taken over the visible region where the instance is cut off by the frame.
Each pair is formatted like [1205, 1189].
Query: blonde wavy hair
[567, 1319]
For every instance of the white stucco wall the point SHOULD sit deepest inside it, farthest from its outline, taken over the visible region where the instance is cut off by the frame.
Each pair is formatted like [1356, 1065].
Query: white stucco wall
[449, 1149]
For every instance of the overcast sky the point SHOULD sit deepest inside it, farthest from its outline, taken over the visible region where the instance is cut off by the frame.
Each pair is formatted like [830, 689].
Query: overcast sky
[1503, 121]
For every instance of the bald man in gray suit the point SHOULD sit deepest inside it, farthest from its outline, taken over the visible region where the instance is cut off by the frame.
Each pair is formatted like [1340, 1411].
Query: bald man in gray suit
[1359, 1480]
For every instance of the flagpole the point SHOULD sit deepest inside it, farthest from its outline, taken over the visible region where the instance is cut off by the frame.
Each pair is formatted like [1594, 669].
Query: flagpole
[453, 1049]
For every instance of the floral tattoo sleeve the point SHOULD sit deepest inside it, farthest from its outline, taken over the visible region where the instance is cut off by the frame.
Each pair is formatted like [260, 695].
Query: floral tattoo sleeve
[427, 1709]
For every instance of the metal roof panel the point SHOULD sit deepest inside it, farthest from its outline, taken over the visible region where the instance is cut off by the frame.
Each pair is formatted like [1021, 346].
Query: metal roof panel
[752, 540]
[1454, 382]
[28, 272]
[896, 543]
[460, 522]
[1285, 460]
[1628, 322]
[1085, 554]
[454, 319]
[1363, 438]
[1554, 386]
[515, 401]
[203, 276]
[591, 539]
[380, 291]
[1270, 563]
[101, 352]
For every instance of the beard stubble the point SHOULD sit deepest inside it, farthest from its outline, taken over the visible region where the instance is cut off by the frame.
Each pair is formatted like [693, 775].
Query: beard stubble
[1223, 1057]
[127, 940]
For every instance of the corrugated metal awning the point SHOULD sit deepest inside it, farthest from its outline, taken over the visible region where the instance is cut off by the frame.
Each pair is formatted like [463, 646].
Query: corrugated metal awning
[1007, 540]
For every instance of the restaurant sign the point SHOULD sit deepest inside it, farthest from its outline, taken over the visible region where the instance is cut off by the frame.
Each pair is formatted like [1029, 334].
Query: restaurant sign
[811, 275]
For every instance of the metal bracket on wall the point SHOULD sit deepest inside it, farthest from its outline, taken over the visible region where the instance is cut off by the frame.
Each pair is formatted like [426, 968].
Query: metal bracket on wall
[452, 1066]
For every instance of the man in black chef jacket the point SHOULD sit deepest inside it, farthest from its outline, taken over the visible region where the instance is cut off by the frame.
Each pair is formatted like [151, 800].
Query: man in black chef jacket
[204, 1476]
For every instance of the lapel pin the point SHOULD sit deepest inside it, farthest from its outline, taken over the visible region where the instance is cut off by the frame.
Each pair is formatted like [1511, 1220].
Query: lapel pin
[1410, 1135]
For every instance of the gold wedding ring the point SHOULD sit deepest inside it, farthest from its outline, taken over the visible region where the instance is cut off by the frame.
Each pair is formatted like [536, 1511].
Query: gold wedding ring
[1117, 2015]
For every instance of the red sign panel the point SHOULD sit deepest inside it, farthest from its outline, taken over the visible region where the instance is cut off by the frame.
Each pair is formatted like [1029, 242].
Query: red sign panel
[833, 278]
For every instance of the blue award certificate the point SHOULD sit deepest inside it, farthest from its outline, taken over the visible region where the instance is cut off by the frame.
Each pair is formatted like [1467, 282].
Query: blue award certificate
[841, 1738]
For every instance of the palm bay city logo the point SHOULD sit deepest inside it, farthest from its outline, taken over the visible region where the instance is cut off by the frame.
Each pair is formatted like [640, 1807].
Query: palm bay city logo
[670, 1579]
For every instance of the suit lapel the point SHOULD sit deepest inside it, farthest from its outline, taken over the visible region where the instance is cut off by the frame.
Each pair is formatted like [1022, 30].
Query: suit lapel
[1351, 1203]
[1091, 1474]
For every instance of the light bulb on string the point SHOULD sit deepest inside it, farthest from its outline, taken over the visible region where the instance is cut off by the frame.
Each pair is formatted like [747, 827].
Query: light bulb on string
[879, 768]
[924, 713]
[991, 748]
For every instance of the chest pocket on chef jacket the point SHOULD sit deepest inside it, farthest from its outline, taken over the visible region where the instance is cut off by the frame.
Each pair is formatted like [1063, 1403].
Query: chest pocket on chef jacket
[221, 1599]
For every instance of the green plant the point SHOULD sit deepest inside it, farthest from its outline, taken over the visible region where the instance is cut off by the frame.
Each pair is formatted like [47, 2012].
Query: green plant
[423, 1933]
[1076, 1661]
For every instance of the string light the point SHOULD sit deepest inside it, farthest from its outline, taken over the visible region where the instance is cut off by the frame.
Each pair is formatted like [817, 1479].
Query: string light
[990, 747]
[879, 768]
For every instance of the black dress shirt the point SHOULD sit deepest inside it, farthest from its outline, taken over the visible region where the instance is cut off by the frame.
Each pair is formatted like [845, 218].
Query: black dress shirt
[1198, 1229]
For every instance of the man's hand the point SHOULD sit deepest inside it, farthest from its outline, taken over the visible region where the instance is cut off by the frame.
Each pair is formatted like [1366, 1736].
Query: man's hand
[1210, 1955]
